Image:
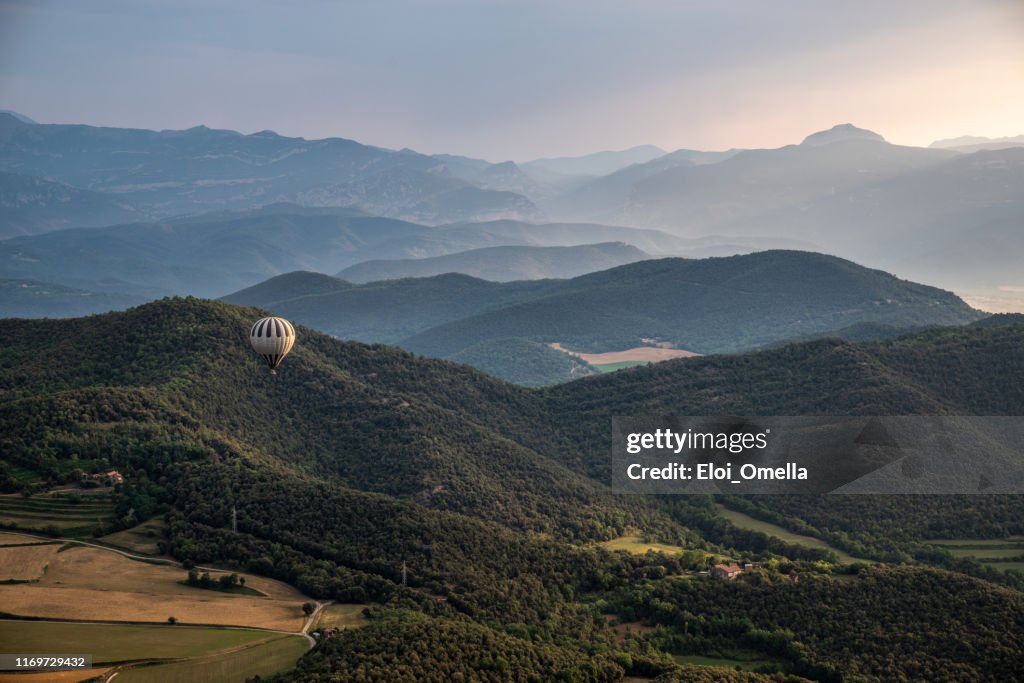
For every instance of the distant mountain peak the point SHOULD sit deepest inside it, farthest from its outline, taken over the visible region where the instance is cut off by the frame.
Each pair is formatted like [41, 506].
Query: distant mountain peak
[842, 132]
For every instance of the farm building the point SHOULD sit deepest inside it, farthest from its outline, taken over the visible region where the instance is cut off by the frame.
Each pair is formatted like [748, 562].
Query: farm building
[726, 572]
[111, 478]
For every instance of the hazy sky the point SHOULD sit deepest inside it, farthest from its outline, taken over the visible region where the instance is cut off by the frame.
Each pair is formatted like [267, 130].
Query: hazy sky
[522, 78]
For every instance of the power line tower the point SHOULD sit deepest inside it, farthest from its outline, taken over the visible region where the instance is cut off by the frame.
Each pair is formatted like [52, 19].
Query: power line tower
[234, 519]
[404, 575]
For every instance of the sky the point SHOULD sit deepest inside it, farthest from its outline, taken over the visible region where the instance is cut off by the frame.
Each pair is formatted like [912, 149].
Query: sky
[520, 79]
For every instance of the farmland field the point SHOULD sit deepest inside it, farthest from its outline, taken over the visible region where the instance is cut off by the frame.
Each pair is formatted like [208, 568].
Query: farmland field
[637, 355]
[26, 562]
[990, 553]
[997, 553]
[100, 585]
[263, 659]
[634, 544]
[123, 642]
[341, 616]
[980, 543]
[744, 521]
[700, 660]
[140, 539]
[69, 513]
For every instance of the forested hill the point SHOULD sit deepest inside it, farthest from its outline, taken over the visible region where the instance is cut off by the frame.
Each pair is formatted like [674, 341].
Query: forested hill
[971, 370]
[372, 418]
[713, 305]
[356, 459]
[359, 456]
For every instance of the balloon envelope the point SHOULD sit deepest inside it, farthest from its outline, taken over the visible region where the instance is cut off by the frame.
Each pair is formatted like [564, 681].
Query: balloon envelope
[272, 338]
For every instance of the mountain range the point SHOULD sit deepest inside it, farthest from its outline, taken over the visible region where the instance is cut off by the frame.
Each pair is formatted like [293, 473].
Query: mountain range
[219, 252]
[943, 214]
[170, 173]
[933, 214]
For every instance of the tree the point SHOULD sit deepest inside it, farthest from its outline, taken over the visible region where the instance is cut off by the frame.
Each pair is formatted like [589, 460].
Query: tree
[228, 581]
[172, 620]
[308, 608]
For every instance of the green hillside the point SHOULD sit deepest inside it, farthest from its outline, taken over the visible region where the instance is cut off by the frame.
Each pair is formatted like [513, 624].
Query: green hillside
[358, 459]
[332, 416]
[946, 371]
[713, 305]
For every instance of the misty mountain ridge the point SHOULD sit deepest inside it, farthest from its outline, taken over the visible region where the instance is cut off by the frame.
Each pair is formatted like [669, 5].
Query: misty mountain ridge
[502, 264]
[218, 252]
[816, 195]
[31, 299]
[188, 171]
[597, 163]
[975, 143]
[30, 205]
[930, 214]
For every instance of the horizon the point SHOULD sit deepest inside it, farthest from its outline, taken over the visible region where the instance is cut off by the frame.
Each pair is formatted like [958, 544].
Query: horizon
[35, 121]
[521, 80]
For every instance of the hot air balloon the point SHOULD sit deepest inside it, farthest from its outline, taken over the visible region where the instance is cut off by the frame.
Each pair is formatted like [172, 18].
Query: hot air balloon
[272, 338]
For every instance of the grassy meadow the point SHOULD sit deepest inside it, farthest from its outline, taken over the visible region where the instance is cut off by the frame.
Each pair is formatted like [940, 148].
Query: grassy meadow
[745, 521]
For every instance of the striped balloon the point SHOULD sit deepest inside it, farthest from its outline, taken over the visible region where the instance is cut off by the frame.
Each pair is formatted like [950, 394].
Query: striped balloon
[272, 338]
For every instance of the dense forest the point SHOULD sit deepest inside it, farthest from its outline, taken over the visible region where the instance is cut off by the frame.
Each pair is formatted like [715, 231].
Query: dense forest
[524, 362]
[769, 295]
[881, 624]
[356, 459]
